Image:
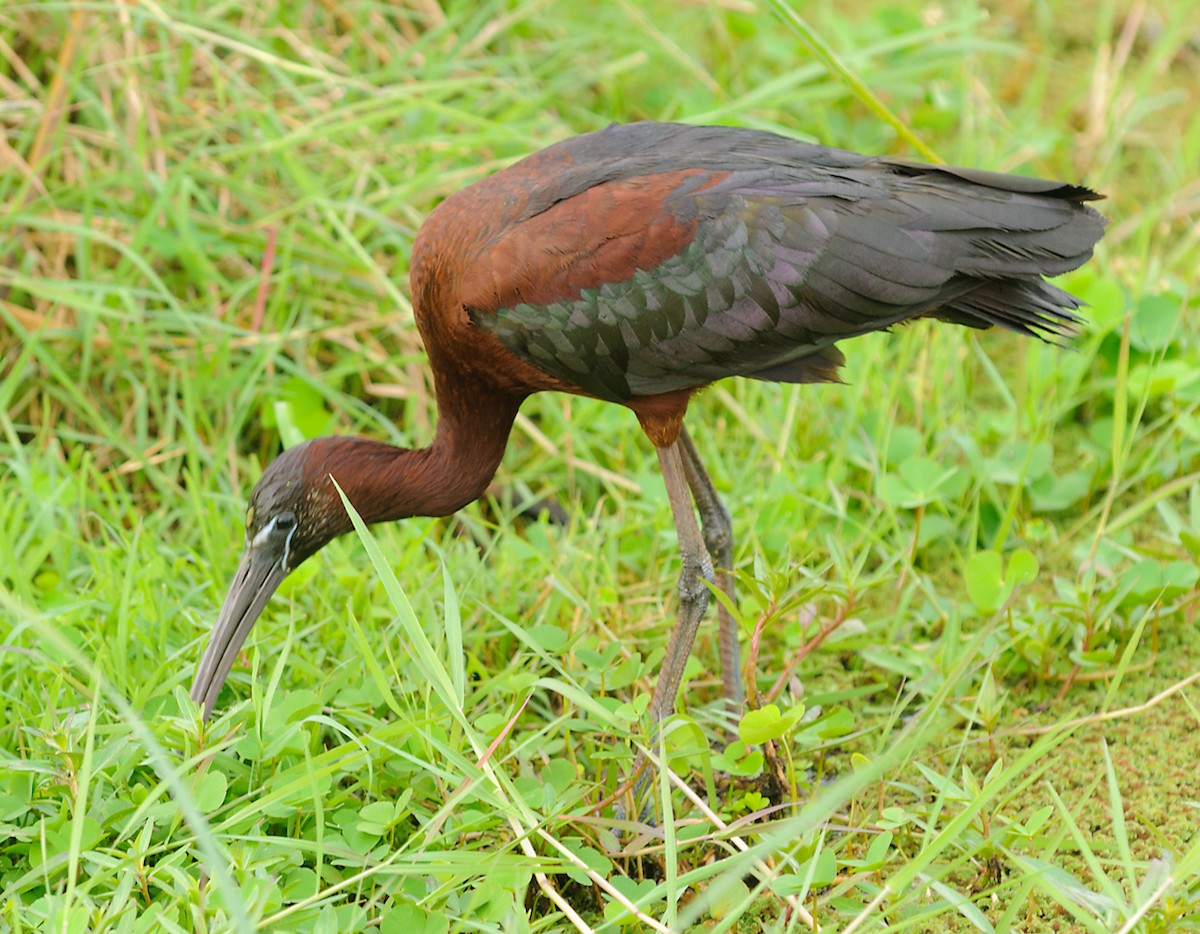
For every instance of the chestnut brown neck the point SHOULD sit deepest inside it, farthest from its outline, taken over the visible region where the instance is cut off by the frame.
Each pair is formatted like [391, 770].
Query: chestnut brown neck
[386, 482]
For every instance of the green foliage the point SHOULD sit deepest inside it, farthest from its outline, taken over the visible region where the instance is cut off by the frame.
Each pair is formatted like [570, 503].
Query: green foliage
[768, 722]
[990, 583]
[969, 577]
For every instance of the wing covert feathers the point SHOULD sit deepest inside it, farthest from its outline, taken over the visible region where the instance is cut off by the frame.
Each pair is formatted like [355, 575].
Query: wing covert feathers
[651, 258]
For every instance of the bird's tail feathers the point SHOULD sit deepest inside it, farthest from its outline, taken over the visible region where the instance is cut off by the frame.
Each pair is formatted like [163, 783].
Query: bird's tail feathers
[1032, 307]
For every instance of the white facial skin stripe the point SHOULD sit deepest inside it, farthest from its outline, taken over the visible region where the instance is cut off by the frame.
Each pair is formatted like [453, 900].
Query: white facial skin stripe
[265, 533]
[287, 547]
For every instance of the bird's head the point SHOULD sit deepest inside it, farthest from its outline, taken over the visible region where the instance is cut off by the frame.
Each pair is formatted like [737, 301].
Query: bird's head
[294, 511]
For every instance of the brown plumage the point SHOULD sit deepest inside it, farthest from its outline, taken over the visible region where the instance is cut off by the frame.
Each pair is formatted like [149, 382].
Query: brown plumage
[637, 265]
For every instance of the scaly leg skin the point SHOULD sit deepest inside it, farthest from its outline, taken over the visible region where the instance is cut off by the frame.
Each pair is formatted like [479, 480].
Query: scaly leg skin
[718, 537]
[693, 601]
[693, 593]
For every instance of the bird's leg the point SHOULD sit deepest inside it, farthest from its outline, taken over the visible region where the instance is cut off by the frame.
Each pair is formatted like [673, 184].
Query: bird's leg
[693, 601]
[693, 594]
[718, 537]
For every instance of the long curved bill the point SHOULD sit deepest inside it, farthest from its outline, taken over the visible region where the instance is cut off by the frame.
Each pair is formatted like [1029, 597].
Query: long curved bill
[259, 574]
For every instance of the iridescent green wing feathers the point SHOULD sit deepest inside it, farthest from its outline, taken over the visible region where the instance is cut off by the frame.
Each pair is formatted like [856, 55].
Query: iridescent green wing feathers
[746, 263]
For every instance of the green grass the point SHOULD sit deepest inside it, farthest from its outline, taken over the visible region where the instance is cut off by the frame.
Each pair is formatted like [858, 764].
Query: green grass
[968, 577]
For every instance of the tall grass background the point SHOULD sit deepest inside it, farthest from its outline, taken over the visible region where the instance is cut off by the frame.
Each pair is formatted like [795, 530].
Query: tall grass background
[967, 577]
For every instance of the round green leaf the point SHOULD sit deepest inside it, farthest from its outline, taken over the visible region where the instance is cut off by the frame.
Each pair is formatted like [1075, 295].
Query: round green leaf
[985, 580]
[760, 725]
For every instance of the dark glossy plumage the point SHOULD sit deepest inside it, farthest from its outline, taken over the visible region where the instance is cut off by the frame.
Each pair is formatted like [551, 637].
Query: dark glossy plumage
[628, 275]
[638, 264]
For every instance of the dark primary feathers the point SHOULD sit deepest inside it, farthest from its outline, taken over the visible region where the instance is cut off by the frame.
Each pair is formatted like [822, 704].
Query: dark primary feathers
[649, 258]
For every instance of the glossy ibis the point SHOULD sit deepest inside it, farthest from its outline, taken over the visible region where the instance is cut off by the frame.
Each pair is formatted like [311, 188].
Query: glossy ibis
[637, 265]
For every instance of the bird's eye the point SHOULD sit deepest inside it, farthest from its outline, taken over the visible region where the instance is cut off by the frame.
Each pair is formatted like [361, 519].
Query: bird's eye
[284, 522]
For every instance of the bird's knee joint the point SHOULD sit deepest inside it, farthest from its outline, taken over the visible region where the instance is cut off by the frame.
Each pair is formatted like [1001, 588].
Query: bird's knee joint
[693, 593]
[692, 583]
[718, 528]
[718, 540]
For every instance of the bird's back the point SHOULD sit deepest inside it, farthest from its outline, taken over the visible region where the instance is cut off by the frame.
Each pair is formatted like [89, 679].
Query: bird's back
[650, 258]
